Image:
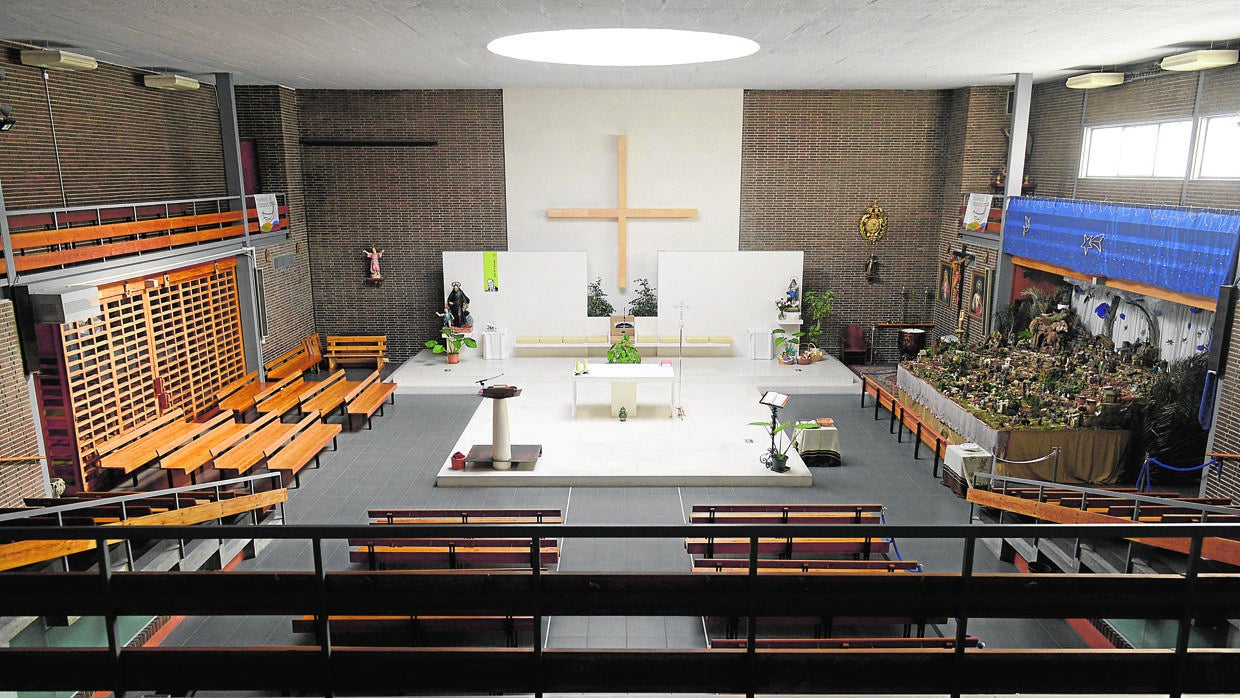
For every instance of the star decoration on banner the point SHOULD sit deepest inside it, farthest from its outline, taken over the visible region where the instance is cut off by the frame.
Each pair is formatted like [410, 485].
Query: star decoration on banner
[1025, 229]
[1092, 242]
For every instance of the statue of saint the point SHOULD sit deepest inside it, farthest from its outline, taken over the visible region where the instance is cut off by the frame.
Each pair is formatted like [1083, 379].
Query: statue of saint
[458, 305]
[374, 255]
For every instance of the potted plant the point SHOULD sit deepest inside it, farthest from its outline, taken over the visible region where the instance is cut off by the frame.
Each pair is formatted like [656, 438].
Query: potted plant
[623, 352]
[787, 344]
[776, 456]
[816, 305]
[450, 343]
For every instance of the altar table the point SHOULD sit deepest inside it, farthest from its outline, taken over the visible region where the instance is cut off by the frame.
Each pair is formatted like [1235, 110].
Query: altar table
[623, 379]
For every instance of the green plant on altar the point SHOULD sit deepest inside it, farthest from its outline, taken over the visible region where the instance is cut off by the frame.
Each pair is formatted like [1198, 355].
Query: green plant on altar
[450, 342]
[816, 306]
[787, 343]
[646, 303]
[623, 352]
[597, 304]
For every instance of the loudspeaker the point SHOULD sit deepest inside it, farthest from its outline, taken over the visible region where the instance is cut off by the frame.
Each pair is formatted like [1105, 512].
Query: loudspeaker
[23, 315]
[1224, 314]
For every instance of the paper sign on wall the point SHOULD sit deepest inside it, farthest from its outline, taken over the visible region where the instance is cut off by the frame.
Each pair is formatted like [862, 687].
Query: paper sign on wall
[268, 212]
[490, 271]
[977, 211]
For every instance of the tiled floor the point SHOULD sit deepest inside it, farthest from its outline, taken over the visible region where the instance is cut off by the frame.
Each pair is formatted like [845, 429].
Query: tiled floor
[396, 464]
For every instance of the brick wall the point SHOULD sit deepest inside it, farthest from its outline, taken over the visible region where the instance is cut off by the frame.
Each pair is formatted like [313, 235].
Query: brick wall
[118, 141]
[977, 150]
[17, 427]
[411, 202]
[1056, 120]
[812, 162]
[269, 115]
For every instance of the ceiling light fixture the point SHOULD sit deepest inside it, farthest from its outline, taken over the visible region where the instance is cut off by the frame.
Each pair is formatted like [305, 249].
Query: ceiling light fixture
[54, 59]
[623, 47]
[169, 81]
[1090, 81]
[1200, 60]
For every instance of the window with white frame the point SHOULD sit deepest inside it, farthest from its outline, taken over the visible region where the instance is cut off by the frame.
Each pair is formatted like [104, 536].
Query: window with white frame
[1137, 150]
[1218, 155]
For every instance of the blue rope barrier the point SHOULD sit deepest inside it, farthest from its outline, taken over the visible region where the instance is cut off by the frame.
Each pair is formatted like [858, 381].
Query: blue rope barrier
[882, 516]
[1143, 478]
[1205, 410]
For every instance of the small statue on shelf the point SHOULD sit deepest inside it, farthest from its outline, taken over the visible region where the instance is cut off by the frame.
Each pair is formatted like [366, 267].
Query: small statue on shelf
[374, 255]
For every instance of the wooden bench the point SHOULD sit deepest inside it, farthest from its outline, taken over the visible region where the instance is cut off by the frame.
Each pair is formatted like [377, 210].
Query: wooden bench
[464, 516]
[844, 643]
[351, 350]
[452, 553]
[311, 437]
[331, 397]
[391, 630]
[786, 513]
[242, 455]
[157, 443]
[296, 361]
[192, 456]
[788, 547]
[366, 399]
[241, 396]
[295, 393]
[766, 566]
[127, 437]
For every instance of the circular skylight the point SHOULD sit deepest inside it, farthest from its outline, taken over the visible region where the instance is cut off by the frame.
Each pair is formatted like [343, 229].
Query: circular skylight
[622, 47]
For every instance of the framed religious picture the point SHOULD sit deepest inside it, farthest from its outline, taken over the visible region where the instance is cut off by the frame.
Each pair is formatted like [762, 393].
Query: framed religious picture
[979, 296]
[945, 282]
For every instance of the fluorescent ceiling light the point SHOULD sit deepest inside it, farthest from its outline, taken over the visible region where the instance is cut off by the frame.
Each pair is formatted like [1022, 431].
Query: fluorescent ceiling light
[1089, 81]
[622, 47]
[169, 82]
[1200, 60]
[58, 60]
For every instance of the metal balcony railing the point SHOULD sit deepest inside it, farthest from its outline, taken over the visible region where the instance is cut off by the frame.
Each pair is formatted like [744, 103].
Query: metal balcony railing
[326, 669]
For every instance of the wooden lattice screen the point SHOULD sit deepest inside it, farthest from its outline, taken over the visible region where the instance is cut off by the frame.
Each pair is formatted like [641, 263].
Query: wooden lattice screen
[162, 342]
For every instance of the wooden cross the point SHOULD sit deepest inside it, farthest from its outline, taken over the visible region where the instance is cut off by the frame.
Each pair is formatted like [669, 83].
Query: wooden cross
[622, 213]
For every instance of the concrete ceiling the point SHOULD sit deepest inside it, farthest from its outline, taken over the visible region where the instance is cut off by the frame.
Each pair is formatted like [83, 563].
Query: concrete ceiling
[404, 44]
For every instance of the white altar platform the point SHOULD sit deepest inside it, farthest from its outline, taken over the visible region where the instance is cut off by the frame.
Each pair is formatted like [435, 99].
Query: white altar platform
[711, 444]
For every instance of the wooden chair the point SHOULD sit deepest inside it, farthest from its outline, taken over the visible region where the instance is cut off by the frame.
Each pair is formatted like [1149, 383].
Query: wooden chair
[853, 346]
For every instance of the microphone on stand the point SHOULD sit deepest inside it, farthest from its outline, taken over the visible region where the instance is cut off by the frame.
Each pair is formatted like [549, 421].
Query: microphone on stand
[483, 382]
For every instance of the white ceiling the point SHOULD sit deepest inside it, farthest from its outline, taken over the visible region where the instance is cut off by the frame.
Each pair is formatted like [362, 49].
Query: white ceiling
[403, 44]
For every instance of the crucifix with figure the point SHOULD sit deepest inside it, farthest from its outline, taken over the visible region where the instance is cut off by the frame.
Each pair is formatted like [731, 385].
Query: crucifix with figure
[621, 213]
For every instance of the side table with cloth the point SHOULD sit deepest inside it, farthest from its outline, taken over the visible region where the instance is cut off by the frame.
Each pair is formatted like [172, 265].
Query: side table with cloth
[961, 461]
[819, 447]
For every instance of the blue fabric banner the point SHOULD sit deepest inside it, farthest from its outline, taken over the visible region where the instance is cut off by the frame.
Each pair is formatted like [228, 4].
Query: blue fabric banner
[1189, 251]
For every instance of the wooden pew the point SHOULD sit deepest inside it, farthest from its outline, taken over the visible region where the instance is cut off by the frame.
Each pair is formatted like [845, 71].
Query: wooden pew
[786, 513]
[296, 361]
[452, 553]
[241, 397]
[353, 350]
[465, 516]
[367, 399]
[842, 643]
[395, 630]
[380, 550]
[296, 392]
[193, 456]
[766, 566]
[332, 397]
[311, 437]
[127, 437]
[249, 452]
[863, 547]
[157, 443]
